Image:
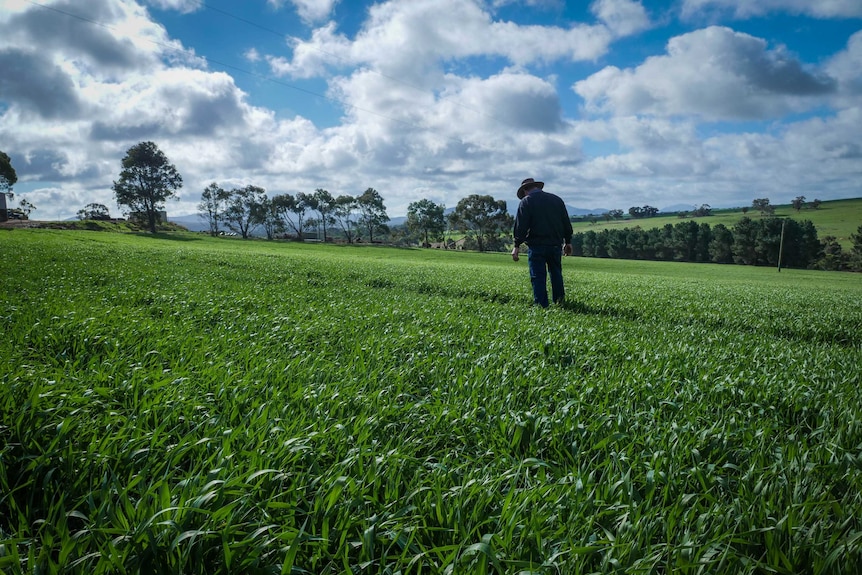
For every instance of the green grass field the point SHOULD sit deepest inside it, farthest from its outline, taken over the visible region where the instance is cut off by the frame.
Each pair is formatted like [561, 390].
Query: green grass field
[184, 404]
[839, 218]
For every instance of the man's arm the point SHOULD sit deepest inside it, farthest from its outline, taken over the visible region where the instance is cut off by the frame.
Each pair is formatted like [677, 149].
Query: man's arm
[519, 233]
[567, 232]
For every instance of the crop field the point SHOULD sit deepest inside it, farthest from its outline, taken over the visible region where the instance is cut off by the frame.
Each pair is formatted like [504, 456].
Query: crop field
[182, 404]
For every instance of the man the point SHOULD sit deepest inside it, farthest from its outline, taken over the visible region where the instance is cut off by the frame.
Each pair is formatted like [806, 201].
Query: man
[542, 222]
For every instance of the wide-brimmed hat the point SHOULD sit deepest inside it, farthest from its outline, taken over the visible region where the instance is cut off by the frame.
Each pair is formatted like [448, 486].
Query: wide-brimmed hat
[528, 184]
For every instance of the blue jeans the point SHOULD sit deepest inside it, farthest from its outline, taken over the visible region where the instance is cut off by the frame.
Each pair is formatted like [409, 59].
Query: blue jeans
[546, 260]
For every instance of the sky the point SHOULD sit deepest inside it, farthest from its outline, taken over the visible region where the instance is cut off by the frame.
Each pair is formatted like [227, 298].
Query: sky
[611, 103]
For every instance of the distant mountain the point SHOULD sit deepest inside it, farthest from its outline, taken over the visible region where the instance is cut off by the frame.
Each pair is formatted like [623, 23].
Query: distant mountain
[193, 223]
[586, 211]
[676, 208]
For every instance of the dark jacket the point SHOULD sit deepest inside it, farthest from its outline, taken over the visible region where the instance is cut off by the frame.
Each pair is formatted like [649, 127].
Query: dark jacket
[542, 220]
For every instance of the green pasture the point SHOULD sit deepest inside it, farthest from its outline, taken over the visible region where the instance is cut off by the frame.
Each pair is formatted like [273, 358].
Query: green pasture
[839, 218]
[185, 404]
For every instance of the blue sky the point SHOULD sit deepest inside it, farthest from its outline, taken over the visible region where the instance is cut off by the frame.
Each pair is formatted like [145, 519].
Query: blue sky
[613, 103]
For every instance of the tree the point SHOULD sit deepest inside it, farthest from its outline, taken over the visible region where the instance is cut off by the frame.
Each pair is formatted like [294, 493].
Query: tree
[644, 212]
[427, 218]
[703, 211]
[26, 207]
[270, 218]
[768, 241]
[245, 209]
[616, 214]
[856, 251]
[763, 206]
[372, 213]
[833, 258]
[8, 177]
[744, 239]
[345, 207]
[721, 245]
[816, 204]
[287, 204]
[684, 240]
[94, 212]
[146, 181]
[324, 204]
[798, 203]
[809, 249]
[484, 220]
[213, 205]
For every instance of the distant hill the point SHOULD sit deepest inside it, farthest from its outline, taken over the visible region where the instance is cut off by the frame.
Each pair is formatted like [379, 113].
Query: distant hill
[193, 223]
[839, 218]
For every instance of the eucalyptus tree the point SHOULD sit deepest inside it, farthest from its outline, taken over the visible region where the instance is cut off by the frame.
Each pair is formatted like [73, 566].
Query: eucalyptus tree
[484, 219]
[372, 213]
[214, 203]
[292, 210]
[324, 204]
[345, 208]
[426, 217]
[147, 179]
[8, 177]
[94, 211]
[270, 217]
[245, 209]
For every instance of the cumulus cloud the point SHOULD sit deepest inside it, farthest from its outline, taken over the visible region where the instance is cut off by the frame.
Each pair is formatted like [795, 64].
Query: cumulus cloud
[622, 17]
[102, 38]
[714, 73]
[846, 67]
[410, 39]
[33, 83]
[512, 102]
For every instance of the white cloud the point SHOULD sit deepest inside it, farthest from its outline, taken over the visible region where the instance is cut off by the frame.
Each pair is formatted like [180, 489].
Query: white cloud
[412, 39]
[623, 17]
[309, 10]
[714, 73]
[311, 58]
[846, 68]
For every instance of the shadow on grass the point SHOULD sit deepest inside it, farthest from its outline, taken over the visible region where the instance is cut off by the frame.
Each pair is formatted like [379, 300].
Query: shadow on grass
[167, 236]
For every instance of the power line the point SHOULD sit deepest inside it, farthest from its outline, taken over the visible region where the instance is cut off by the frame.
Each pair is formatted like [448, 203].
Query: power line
[330, 55]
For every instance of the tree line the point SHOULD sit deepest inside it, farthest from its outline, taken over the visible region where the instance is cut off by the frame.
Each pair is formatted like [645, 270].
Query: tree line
[148, 178]
[769, 241]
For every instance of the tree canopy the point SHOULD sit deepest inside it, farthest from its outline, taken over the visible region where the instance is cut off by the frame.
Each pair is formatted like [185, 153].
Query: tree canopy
[372, 212]
[484, 219]
[146, 181]
[94, 212]
[8, 177]
[426, 217]
[213, 205]
[245, 209]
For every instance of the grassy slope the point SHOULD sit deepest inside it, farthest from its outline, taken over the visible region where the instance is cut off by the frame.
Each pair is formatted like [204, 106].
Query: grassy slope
[839, 218]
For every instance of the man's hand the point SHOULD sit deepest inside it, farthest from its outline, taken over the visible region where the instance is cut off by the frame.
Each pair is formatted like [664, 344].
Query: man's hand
[515, 254]
[567, 250]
